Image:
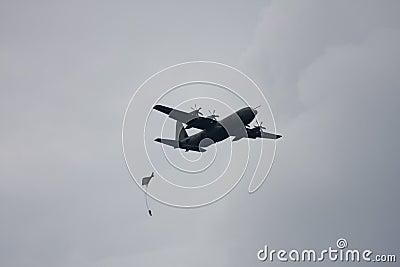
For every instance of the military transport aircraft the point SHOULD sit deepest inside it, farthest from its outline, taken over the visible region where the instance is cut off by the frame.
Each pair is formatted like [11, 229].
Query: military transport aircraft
[213, 131]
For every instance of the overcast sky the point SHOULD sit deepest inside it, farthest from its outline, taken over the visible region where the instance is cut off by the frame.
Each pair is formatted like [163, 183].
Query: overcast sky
[329, 69]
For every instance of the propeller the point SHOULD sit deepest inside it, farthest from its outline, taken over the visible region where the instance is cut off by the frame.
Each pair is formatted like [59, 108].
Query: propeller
[196, 111]
[259, 125]
[212, 115]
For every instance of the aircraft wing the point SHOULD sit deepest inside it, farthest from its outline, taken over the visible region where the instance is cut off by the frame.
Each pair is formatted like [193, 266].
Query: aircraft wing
[253, 134]
[176, 144]
[191, 120]
[270, 135]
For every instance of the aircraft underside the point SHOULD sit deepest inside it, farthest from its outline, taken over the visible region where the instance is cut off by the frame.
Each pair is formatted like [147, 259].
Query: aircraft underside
[212, 131]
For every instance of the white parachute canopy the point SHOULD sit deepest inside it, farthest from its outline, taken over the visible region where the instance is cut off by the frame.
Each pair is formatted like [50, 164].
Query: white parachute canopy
[145, 182]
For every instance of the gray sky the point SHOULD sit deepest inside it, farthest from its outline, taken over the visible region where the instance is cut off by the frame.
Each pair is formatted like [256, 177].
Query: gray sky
[67, 70]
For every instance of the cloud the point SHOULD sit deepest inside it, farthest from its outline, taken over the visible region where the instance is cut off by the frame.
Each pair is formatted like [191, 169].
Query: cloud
[335, 171]
[291, 36]
[327, 68]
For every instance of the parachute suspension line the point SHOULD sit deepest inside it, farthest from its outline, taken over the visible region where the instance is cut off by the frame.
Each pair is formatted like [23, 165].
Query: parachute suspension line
[145, 183]
[147, 204]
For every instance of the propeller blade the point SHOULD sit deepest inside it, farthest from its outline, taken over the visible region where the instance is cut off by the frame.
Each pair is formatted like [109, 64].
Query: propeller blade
[259, 125]
[212, 115]
[196, 110]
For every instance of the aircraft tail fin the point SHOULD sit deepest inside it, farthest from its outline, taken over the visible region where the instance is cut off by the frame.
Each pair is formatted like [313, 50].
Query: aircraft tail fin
[180, 131]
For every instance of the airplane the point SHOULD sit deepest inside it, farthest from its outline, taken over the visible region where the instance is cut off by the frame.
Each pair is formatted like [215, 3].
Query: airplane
[212, 130]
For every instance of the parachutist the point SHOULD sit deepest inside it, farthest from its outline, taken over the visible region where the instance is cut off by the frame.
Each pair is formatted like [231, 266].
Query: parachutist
[145, 183]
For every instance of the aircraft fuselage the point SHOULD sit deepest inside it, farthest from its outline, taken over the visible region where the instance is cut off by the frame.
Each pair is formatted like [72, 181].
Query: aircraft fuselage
[232, 125]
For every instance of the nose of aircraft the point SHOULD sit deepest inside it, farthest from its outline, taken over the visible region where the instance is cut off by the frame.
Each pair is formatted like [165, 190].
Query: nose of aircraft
[254, 111]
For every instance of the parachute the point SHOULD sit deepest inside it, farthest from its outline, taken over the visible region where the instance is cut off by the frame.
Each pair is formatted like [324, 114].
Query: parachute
[145, 183]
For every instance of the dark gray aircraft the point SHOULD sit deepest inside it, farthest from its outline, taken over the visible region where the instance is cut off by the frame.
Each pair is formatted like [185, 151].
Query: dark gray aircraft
[213, 131]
